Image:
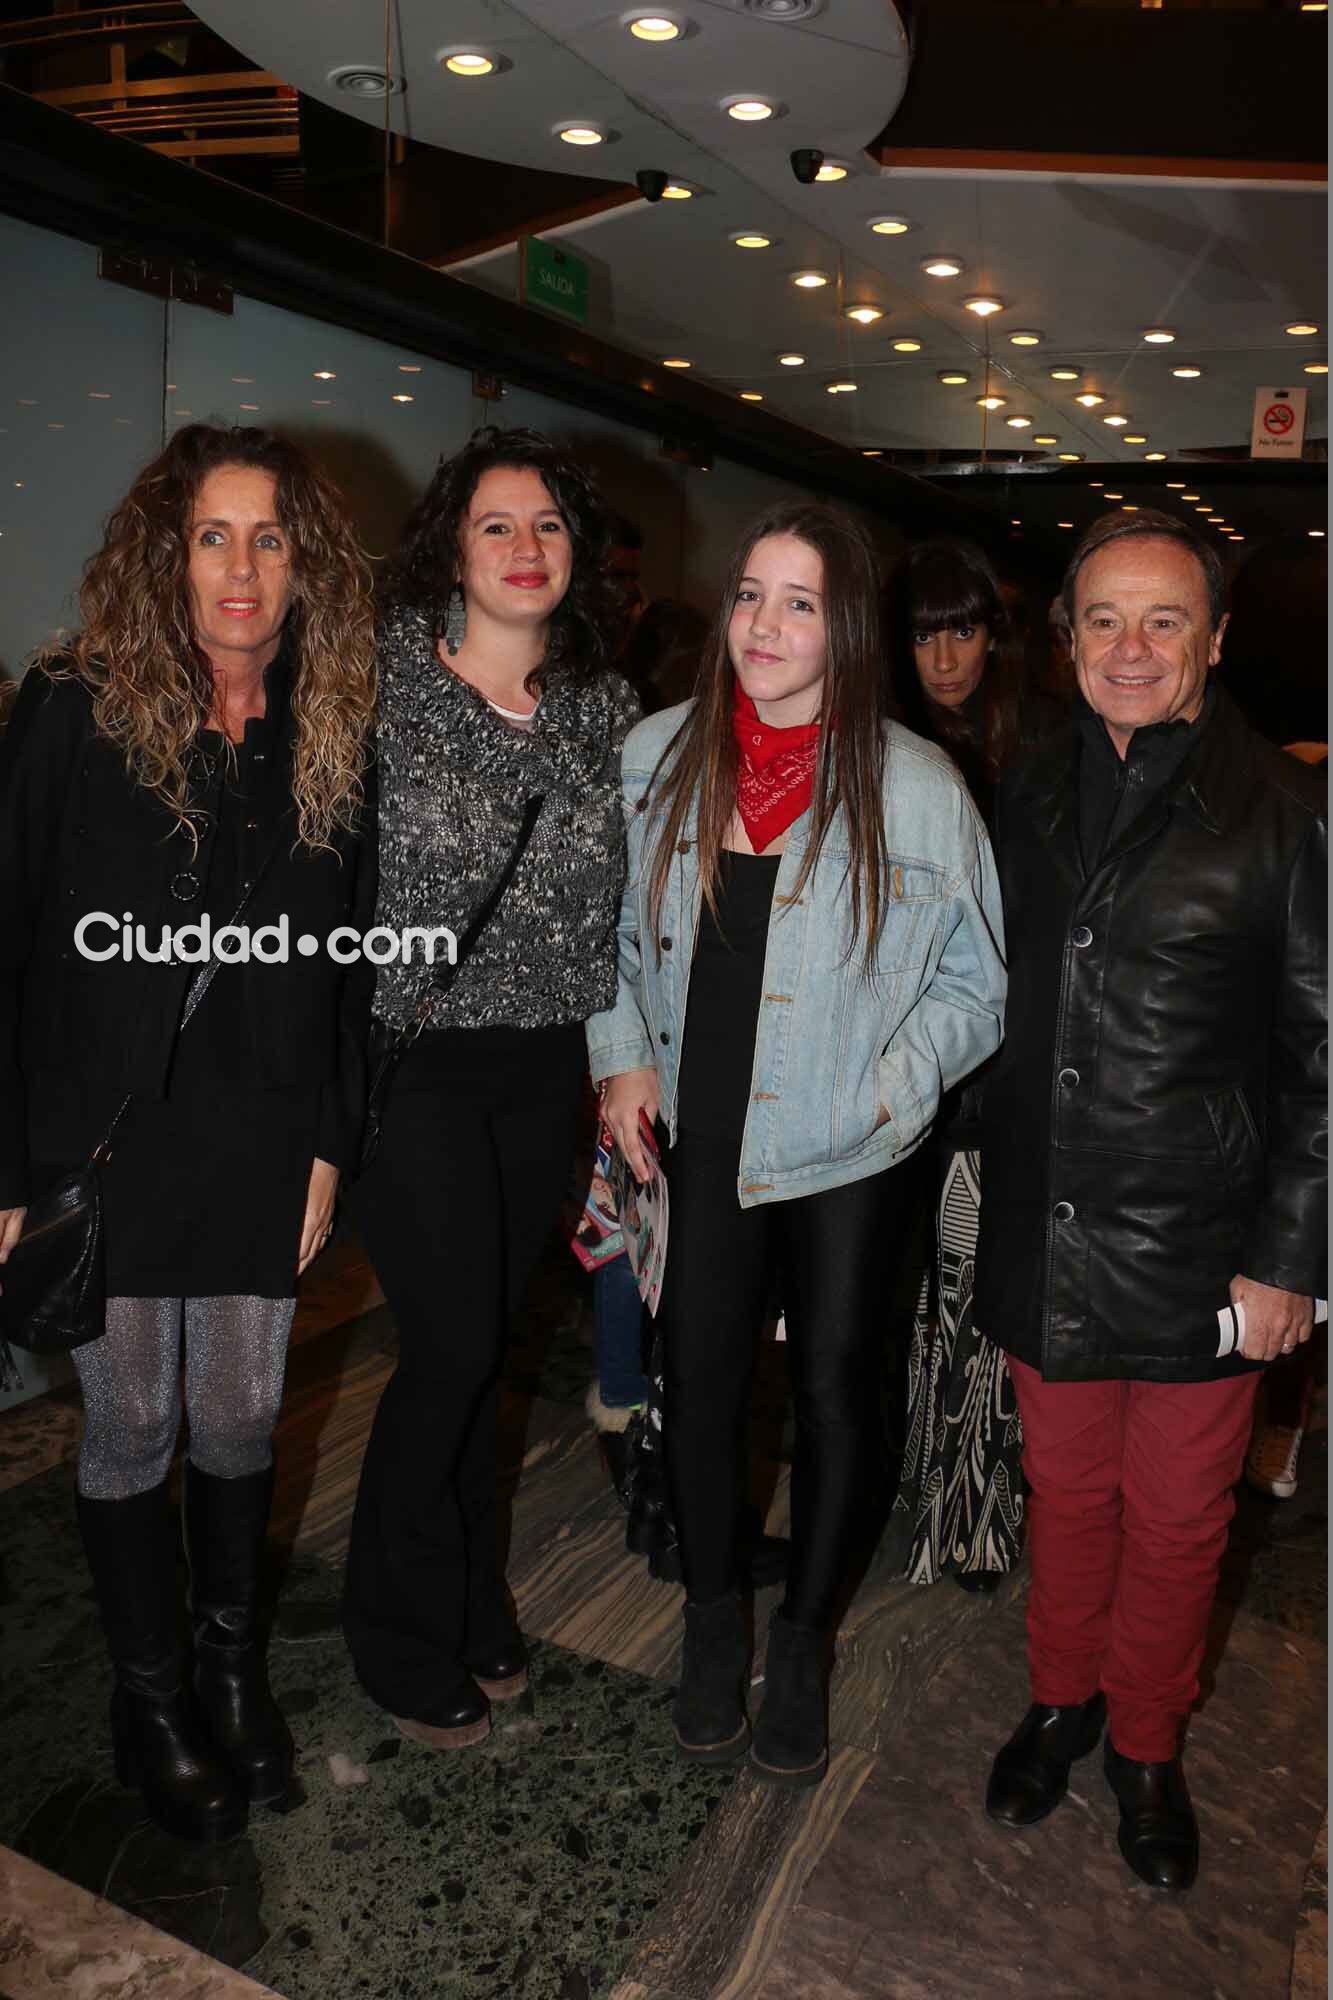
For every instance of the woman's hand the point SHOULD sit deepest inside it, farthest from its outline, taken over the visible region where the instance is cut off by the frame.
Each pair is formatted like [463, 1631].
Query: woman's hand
[626, 1095]
[318, 1225]
[11, 1228]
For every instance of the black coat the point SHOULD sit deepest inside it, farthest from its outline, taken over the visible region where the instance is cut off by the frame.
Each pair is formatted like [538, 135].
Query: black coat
[77, 835]
[1155, 1122]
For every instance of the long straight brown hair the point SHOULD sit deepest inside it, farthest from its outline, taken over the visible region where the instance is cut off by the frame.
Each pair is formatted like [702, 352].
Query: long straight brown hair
[701, 759]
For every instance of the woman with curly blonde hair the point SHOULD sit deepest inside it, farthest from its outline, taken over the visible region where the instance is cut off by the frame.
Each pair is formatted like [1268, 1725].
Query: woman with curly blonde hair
[195, 757]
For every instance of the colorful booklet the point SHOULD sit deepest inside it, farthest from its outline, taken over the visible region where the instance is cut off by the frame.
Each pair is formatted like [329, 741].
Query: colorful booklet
[642, 1207]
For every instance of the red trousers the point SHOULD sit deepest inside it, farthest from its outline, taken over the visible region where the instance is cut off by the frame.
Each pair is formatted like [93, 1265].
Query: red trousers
[1127, 1521]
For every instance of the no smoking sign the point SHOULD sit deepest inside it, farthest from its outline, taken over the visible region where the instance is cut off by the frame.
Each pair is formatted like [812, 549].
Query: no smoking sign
[1278, 429]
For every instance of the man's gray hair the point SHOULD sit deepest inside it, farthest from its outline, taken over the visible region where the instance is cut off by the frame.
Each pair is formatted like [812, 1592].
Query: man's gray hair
[1148, 522]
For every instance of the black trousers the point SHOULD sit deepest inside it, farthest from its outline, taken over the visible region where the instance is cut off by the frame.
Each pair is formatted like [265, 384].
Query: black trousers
[827, 1258]
[478, 1140]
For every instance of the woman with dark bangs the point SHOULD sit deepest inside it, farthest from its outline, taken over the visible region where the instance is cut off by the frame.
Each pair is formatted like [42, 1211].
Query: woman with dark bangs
[496, 701]
[195, 756]
[959, 1510]
[809, 952]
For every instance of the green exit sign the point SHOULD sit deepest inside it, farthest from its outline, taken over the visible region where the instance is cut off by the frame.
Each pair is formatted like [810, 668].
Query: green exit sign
[552, 278]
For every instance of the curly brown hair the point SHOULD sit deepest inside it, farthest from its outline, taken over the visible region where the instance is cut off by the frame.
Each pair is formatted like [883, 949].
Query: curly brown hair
[586, 624]
[136, 652]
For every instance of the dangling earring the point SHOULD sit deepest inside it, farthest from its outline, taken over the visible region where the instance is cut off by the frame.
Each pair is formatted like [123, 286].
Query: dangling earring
[455, 621]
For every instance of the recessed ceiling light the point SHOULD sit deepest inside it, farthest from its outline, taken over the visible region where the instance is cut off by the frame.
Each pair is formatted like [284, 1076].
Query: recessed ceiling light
[402, 397]
[1158, 336]
[470, 62]
[809, 281]
[1175, 486]
[876, 453]
[752, 396]
[865, 315]
[1316, 368]
[1116, 423]
[1027, 337]
[1217, 521]
[791, 360]
[321, 402]
[1153, 457]
[1318, 534]
[1064, 373]
[1188, 496]
[249, 406]
[749, 110]
[1235, 538]
[1089, 399]
[409, 367]
[991, 402]
[1096, 484]
[1206, 508]
[1189, 373]
[1014, 521]
[1045, 437]
[942, 267]
[841, 387]
[1064, 524]
[1019, 423]
[1112, 496]
[750, 239]
[321, 375]
[907, 346]
[952, 377]
[654, 28]
[677, 191]
[1135, 437]
[1128, 508]
[235, 378]
[1070, 457]
[581, 135]
[99, 395]
[676, 361]
[832, 170]
[984, 306]
[891, 225]
[1302, 327]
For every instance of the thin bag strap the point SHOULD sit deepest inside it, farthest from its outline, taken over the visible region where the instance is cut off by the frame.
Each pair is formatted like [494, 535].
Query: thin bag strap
[195, 992]
[443, 978]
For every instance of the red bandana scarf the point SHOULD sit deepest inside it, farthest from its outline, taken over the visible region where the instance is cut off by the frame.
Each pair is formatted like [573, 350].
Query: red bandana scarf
[776, 776]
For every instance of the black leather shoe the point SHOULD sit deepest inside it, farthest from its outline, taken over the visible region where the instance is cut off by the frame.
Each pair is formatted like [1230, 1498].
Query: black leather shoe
[462, 1716]
[1159, 1835]
[1030, 1775]
[501, 1670]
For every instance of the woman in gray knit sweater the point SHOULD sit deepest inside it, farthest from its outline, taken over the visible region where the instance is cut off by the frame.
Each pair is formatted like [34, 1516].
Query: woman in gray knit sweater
[494, 690]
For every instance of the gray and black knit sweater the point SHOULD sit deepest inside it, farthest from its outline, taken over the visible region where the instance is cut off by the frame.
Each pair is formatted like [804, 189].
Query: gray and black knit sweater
[453, 778]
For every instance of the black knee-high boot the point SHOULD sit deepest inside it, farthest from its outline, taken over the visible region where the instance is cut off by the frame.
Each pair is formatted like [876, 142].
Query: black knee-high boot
[160, 1744]
[225, 1524]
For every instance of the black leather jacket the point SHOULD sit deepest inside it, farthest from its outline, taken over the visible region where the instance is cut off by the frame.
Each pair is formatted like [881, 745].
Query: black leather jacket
[1156, 1122]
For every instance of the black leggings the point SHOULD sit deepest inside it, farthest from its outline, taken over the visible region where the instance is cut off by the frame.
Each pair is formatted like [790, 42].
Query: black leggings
[476, 1153]
[828, 1259]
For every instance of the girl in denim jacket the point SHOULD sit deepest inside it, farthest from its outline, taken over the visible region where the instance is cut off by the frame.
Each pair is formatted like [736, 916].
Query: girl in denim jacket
[810, 952]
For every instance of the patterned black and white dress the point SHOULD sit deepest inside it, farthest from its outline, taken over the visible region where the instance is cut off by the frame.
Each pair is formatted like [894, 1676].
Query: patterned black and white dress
[960, 1498]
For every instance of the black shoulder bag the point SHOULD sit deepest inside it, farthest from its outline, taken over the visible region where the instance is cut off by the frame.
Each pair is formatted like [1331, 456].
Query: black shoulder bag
[53, 1286]
[390, 1045]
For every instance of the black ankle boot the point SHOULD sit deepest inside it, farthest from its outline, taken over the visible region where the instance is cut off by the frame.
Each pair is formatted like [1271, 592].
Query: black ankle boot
[161, 1747]
[709, 1711]
[1159, 1835]
[1030, 1775]
[791, 1734]
[225, 1524]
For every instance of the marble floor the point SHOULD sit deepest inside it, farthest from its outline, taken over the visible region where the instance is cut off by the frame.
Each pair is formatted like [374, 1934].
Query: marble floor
[571, 1857]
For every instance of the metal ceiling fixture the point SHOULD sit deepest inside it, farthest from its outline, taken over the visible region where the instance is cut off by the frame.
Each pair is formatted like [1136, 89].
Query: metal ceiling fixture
[784, 10]
[364, 80]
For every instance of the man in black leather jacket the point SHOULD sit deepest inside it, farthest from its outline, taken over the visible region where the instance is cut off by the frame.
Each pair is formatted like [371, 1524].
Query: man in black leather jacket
[1156, 1149]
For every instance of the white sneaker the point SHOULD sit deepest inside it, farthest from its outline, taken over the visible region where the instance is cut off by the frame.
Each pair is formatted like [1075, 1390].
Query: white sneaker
[1271, 1462]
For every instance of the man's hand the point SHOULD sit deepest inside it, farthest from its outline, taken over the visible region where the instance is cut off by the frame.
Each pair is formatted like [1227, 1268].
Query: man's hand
[626, 1095]
[1276, 1322]
[11, 1228]
[318, 1224]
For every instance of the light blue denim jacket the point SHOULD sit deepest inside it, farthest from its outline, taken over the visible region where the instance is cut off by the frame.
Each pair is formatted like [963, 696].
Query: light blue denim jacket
[831, 1046]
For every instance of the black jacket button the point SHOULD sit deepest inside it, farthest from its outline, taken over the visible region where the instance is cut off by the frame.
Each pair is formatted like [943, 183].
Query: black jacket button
[664, 1038]
[1068, 1078]
[1082, 937]
[1063, 1211]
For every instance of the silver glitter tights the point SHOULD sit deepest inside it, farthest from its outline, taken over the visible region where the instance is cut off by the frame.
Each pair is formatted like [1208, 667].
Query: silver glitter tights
[235, 1358]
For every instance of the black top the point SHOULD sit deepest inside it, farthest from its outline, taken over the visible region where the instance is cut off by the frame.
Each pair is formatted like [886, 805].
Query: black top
[726, 987]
